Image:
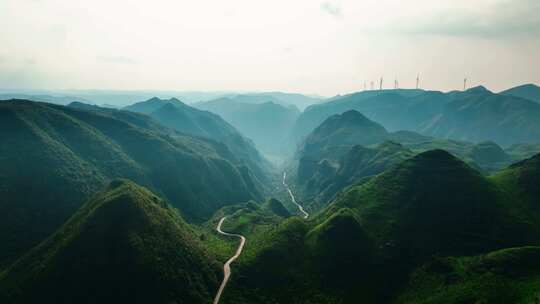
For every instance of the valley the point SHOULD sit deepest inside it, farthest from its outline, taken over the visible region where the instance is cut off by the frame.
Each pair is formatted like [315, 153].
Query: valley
[227, 265]
[270, 152]
[181, 204]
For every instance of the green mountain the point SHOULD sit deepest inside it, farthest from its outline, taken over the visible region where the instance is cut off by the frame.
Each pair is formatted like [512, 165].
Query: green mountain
[430, 204]
[520, 185]
[479, 115]
[503, 276]
[347, 148]
[527, 91]
[125, 245]
[266, 123]
[376, 235]
[54, 158]
[334, 138]
[176, 115]
[358, 164]
[475, 115]
[485, 156]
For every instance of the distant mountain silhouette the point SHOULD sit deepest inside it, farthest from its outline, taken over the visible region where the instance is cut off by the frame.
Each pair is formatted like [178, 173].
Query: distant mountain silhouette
[474, 115]
[177, 115]
[527, 91]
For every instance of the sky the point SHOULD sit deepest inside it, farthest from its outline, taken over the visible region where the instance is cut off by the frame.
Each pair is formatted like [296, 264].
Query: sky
[306, 46]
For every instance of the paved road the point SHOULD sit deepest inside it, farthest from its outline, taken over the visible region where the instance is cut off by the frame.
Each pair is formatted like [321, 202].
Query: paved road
[293, 199]
[227, 266]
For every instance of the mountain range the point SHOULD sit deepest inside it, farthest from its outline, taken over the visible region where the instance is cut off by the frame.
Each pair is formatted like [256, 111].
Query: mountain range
[265, 123]
[392, 196]
[178, 116]
[474, 115]
[376, 243]
[349, 147]
[526, 91]
[54, 158]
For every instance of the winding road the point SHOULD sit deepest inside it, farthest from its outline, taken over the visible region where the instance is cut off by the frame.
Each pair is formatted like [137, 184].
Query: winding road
[227, 266]
[293, 199]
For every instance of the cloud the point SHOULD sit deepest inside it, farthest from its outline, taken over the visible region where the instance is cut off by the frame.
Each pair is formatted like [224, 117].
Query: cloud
[331, 8]
[503, 19]
[116, 59]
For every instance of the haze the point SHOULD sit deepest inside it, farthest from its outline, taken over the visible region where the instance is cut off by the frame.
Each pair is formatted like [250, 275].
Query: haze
[320, 47]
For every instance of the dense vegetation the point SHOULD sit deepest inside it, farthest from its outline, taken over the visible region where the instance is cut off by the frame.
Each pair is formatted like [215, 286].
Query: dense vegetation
[53, 158]
[124, 246]
[364, 247]
[505, 276]
[348, 148]
[176, 115]
[399, 212]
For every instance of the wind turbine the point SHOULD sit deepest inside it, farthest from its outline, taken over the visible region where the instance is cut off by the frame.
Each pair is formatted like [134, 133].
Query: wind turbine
[464, 84]
[380, 84]
[418, 81]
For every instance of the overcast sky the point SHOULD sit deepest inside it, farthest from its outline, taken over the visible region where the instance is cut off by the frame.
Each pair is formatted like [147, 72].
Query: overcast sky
[322, 47]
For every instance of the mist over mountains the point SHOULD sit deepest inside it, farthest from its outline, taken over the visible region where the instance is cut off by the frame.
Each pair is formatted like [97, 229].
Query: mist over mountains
[411, 196]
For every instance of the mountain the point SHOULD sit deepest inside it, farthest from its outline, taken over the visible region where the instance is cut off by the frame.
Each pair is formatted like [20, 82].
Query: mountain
[287, 100]
[481, 115]
[321, 155]
[54, 158]
[370, 244]
[349, 147]
[42, 97]
[358, 164]
[527, 91]
[485, 156]
[475, 115]
[436, 190]
[176, 115]
[503, 276]
[266, 123]
[125, 245]
[348, 129]
[523, 151]
[376, 105]
[520, 183]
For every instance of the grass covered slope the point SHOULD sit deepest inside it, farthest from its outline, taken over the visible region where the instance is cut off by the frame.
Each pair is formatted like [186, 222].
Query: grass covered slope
[53, 158]
[124, 246]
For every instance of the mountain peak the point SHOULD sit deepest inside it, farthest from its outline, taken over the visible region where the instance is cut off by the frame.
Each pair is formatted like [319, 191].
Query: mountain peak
[478, 89]
[115, 246]
[435, 155]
